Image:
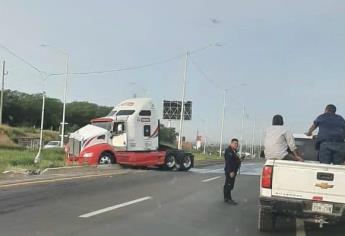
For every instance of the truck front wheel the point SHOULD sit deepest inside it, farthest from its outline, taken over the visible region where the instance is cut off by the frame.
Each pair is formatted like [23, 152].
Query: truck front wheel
[266, 221]
[106, 158]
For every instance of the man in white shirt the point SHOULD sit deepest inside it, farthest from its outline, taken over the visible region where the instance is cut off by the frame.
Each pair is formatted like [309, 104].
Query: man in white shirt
[278, 140]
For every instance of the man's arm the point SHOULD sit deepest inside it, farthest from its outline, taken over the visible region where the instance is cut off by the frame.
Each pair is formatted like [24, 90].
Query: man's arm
[311, 130]
[227, 161]
[291, 143]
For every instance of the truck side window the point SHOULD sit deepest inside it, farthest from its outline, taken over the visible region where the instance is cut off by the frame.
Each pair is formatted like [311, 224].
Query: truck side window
[145, 113]
[147, 130]
[119, 128]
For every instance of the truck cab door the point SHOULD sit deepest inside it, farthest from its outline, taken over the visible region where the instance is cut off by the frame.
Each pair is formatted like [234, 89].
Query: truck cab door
[119, 136]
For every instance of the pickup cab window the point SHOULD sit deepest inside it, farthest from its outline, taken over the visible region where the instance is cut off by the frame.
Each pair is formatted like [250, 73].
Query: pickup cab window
[306, 148]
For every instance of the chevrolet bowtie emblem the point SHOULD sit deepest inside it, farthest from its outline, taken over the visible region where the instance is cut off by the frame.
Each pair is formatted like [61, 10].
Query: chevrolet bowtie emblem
[324, 185]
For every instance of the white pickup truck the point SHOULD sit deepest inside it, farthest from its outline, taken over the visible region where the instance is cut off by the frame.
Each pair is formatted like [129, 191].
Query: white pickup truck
[308, 190]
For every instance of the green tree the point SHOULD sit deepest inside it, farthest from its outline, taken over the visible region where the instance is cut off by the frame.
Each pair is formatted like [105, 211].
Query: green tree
[167, 135]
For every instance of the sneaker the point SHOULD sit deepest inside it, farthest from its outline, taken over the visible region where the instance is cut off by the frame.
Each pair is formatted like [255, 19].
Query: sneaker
[232, 202]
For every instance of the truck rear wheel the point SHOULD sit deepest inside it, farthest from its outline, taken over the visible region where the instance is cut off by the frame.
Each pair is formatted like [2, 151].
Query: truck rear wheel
[186, 163]
[106, 158]
[266, 221]
[170, 162]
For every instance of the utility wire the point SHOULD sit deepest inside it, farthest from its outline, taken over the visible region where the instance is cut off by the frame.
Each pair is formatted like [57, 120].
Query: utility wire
[204, 74]
[122, 69]
[139, 66]
[20, 58]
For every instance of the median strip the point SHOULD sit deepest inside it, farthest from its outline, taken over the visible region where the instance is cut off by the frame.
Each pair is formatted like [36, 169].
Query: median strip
[210, 179]
[115, 207]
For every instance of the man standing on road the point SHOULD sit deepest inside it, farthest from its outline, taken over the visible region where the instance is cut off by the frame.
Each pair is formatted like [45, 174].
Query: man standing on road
[232, 164]
[277, 140]
[331, 136]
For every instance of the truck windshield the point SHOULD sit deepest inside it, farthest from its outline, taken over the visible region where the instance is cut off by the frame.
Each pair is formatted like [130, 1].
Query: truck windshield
[104, 125]
[125, 113]
[112, 113]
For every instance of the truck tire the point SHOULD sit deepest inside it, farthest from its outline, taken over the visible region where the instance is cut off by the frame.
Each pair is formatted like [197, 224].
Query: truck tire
[266, 222]
[186, 163]
[106, 158]
[170, 162]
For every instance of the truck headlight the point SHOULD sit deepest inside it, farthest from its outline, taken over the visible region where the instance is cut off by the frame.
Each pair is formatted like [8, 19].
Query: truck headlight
[88, 154]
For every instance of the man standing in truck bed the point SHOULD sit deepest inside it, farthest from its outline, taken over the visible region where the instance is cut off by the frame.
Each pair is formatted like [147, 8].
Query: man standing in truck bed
[331, 136]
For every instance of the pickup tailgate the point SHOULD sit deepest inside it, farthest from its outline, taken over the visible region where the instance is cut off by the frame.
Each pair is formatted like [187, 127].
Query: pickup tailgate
[309, 180]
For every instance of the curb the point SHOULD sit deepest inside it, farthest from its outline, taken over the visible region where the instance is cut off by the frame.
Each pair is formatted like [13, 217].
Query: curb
[14, 183]
[91, 167]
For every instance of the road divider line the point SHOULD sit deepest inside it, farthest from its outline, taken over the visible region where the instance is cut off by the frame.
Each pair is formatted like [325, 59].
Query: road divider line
[300, 231]
[115, 207]
[210, 179]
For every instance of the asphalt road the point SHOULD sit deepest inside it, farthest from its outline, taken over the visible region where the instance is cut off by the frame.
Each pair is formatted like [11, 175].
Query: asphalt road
[147, 202]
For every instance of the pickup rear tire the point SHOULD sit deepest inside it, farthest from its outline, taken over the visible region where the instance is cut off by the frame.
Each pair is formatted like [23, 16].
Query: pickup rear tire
[266, 221]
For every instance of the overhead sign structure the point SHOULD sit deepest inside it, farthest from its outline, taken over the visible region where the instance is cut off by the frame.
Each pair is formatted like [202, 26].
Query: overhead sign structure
[172, 110]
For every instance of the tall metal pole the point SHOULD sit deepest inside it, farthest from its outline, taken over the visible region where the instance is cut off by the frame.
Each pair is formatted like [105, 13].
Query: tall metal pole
[182, 102]
[242, 130]
[64, 103]
[260, 148]
[222, 126]
[38, 156]
[205, 135]
[253, 137]
[2, 91]
[205, 142]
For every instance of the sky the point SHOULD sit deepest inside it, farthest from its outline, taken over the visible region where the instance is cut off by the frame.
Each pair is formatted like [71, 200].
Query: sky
[290, 55]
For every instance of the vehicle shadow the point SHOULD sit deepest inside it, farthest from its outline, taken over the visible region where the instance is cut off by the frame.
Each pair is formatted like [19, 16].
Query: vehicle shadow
[334, 230]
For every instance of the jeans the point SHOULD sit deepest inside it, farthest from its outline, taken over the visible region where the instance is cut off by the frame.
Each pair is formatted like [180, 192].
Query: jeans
[332, 152]
[228, 186]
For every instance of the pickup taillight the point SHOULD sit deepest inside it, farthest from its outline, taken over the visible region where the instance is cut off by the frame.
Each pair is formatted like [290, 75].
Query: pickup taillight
[266, 178]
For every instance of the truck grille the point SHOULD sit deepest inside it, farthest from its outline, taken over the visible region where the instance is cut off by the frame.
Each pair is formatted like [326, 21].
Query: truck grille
[74, 146]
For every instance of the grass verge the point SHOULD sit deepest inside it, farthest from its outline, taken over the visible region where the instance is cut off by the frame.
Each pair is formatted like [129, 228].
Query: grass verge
[203, 157]
[24, 159]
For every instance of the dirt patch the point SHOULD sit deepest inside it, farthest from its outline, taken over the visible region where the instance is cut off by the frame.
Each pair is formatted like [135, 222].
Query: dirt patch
[5, 140]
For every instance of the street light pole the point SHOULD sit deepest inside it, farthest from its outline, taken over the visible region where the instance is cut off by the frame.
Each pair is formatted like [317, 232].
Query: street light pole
[242, 130]
[253, 139]
[222, 127]
[182, 102]
[65, 90]
[38, 156]
[2, 91]
[64, 103]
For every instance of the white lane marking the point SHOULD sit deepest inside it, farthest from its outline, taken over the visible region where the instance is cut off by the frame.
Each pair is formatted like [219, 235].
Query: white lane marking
[300, 231]
[114, 207]
[215, 170]
[210, 179]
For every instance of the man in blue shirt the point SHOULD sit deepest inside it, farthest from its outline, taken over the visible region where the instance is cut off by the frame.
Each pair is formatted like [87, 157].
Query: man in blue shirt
[232, 164]
[331, 136]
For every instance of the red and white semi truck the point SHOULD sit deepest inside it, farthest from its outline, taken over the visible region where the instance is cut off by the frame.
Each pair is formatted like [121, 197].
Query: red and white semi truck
[128, 135]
